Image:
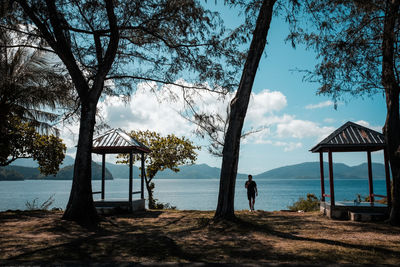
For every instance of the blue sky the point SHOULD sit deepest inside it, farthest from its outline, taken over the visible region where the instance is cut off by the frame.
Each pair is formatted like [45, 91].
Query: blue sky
[296, 117]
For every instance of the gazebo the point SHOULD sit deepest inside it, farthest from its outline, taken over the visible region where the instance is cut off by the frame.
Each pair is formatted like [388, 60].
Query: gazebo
[116, 141]
[352, 137]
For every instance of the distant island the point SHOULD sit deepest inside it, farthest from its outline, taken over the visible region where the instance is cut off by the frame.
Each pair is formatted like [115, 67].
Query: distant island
[16, 173]
[306, 170]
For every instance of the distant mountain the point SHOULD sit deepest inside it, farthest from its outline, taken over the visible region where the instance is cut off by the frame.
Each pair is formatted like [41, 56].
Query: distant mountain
[310, 170]
[306, 170]
[68, 160]
[12, 172]
[67, 173]
[121, 170]
[10, 175]
[196, 171]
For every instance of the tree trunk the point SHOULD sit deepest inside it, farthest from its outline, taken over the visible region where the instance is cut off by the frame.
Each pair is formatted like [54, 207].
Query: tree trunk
[392, 124]
[80, 207]
[230, 153]
[392, 134]
[150, 188]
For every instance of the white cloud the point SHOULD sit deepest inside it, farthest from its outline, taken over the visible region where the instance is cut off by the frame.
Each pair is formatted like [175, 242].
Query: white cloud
[157, 109]
[329, 120]
[263, 103]
[302, 129]
[144, 111]
[320, 105]
[368, 125]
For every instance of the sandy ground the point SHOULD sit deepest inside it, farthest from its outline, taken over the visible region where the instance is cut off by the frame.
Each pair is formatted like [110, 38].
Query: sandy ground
[30, 237]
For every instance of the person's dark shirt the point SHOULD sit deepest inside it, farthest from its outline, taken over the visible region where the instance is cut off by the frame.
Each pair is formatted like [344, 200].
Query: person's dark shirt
[251, 186]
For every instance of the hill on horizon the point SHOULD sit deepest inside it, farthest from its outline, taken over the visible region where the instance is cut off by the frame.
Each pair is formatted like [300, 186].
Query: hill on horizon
[15, 172]
[305, 170]
[311, 170]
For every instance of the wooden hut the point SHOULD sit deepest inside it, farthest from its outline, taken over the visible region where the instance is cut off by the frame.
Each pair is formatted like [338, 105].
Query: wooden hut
[116, 141]
[352, 137]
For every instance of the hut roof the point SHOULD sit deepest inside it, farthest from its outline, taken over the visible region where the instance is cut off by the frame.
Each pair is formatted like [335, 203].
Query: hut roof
[117, 141]
[351, 137]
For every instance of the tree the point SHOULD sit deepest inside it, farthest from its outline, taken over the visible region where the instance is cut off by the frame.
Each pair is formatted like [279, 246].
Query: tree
[21, 140]
[238, 108]
[109, 46]
[167, 152]
[358, 43]
[30, 91]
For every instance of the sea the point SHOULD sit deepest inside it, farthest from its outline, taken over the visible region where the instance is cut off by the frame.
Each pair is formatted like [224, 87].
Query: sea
[186, 194]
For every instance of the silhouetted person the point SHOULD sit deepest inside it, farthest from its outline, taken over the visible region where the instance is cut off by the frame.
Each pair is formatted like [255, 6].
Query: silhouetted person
[251, 191]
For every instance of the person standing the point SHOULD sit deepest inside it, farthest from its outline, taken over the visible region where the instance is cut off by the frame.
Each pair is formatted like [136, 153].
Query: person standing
[251, 191]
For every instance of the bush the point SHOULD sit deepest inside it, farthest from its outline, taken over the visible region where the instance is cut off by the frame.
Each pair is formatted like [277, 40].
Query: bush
[162, 206]
[309, 204]
[34, 205]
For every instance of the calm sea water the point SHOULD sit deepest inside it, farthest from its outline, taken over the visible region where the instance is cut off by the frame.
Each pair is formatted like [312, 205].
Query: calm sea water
[187, 193]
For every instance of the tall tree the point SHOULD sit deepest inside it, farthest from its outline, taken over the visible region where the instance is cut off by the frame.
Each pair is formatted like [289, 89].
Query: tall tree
[109, 46]
[238, 109]
[167, 152]
[358, 43]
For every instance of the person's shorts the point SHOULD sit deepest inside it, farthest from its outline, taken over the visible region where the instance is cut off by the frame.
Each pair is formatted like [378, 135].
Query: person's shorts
[251, 195]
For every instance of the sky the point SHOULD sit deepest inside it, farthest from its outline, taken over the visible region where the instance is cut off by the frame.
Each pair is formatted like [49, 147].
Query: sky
[292, 116]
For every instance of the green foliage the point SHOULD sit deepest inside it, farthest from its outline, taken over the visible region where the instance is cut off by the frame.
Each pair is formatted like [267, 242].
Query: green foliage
[21, 140]
[309, 204]
[167, 152]
[31, 89]
[162, 206]
[34, 205]
[348, 37]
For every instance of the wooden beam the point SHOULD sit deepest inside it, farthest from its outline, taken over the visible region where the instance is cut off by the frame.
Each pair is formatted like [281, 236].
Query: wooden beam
[370, 182]
[321, 167]
[387, 174]
[130, 177]
[331, 179]
[142, 177]
[103, 176]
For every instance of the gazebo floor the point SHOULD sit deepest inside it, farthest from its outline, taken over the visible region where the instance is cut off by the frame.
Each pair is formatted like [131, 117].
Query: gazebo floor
[345, 209]
[106, 206]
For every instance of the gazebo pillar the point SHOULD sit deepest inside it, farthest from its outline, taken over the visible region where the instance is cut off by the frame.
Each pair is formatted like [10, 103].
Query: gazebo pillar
[142, 178]
[130, 178]
[387, 174]
[103, 175]
[331, 179]
[321, 167]
[370, 182]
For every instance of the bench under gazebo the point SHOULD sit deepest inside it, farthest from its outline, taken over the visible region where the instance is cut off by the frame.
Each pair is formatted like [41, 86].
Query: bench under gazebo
[116, 141]
[352, 137]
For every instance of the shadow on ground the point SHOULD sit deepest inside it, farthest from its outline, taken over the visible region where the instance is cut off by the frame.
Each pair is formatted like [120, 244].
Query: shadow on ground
[192, 236]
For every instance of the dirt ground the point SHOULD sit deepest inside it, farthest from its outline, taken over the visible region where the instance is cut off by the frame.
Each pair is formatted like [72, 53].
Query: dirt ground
[28, 237]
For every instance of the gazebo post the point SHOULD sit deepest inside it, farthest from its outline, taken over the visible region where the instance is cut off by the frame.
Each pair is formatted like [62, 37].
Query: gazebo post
[130, 178]
[142, 178]
[103, 175]
[370, 183]
[321, 167]
[331, 179]
[387, 174]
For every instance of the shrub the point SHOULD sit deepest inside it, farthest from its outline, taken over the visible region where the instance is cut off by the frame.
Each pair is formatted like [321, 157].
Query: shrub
[162, 206]
[34, 205]
[309, 204]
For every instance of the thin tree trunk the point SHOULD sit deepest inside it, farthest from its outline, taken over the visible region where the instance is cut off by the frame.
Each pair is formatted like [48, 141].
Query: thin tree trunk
[230, 153]
[392, 125]
[149, 192]
[80, 207]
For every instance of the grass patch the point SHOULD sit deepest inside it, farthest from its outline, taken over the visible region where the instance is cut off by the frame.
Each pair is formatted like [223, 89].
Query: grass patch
[311, 203]
[192, 236]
